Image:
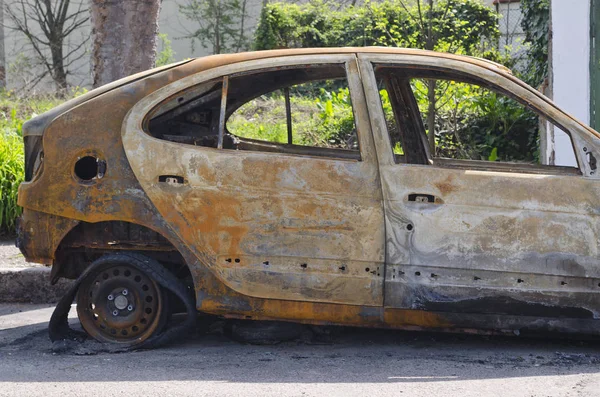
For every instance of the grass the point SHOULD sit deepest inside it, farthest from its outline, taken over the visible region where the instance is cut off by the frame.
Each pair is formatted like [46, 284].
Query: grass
[11, 175]
[325, 121]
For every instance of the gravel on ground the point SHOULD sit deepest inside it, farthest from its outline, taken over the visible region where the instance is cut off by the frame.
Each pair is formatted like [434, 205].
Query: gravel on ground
[11, 257]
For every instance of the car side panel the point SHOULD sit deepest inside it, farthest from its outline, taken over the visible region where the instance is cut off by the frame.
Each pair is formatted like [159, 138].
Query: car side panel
[271, 225]
[492, 242]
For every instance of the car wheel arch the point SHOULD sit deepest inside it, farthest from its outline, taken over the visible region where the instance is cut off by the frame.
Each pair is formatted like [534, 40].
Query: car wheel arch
[77, 249]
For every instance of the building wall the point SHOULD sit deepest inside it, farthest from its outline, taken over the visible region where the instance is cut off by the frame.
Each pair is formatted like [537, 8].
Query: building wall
[177, 27]
[570, 68]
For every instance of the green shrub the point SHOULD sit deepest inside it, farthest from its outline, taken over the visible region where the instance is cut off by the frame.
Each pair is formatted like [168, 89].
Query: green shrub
[324, 120]
[166, 55]
[475, 123]
[11, 175]
[460, 26]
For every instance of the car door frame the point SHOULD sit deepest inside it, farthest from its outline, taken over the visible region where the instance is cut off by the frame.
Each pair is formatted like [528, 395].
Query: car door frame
[336, 280]
[416, 279]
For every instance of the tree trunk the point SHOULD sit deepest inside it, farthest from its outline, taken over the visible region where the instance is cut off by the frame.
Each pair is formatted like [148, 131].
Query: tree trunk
[217, 44]
[2, 53]
[124, 38]
[59, 74]
[242, 20]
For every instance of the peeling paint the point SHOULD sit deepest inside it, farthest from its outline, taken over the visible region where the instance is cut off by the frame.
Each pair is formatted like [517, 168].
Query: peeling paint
[328, 240]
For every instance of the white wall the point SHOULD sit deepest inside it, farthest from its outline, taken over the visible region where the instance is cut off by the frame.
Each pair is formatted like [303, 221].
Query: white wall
[571, 68]
[176, 27]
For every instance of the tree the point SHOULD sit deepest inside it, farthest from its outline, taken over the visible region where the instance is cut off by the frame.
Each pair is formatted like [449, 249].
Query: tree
[47, 26]
[220, 24]
[124, 38]
[166, 55]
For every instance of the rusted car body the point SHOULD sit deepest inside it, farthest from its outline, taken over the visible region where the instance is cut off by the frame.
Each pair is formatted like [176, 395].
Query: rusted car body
[300, 236]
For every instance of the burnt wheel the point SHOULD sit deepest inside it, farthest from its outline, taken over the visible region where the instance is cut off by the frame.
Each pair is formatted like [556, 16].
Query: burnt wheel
[119, 303]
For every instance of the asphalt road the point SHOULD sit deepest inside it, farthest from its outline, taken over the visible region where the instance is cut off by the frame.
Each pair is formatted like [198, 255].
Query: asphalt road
[341, 362]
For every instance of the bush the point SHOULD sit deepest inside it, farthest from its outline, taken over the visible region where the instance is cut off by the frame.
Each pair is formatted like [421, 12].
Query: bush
[325, 120]
[496, 129]
[460, 26]
[11, 175]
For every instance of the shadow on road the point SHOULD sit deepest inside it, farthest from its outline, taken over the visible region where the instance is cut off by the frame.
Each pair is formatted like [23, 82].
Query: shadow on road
[324, 355]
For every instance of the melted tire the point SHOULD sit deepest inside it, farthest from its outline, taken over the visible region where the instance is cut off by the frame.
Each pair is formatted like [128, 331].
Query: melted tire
[117, 303]
[265, 332]
[58, 327]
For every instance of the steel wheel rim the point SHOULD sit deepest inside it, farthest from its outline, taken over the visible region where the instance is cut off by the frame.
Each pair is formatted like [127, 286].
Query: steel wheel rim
[118, 303]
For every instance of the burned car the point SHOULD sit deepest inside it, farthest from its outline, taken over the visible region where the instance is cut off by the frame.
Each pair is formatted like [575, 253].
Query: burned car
[150, 196]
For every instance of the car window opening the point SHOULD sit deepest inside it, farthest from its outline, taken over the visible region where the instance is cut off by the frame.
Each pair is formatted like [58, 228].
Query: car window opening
[296, 110]
[473, 123]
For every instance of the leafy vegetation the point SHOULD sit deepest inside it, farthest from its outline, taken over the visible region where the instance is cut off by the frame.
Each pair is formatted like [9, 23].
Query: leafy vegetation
[166, 55]
[469, 122]
[459, 26]
[475, 123]
[465, 123]
[322, 120]
[535, 23]
[11, 175]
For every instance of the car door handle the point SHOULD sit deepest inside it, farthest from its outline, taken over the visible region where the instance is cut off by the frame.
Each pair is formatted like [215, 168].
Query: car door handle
[422, 198]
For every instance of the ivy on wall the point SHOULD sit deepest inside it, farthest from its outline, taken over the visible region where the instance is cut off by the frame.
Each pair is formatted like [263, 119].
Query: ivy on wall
[536, 24]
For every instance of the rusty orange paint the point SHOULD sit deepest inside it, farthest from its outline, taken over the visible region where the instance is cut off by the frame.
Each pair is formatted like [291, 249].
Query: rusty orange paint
[313, 239]
[446, 186]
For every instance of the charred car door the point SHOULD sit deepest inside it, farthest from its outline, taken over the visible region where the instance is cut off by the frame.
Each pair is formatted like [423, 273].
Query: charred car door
[477, 230]
[271, 218]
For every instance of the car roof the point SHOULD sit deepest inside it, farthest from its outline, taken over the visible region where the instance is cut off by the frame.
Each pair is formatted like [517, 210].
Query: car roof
[224, 59]
[37, 125]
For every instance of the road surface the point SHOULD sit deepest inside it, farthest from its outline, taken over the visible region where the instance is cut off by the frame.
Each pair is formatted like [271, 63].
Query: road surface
[341, 362]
